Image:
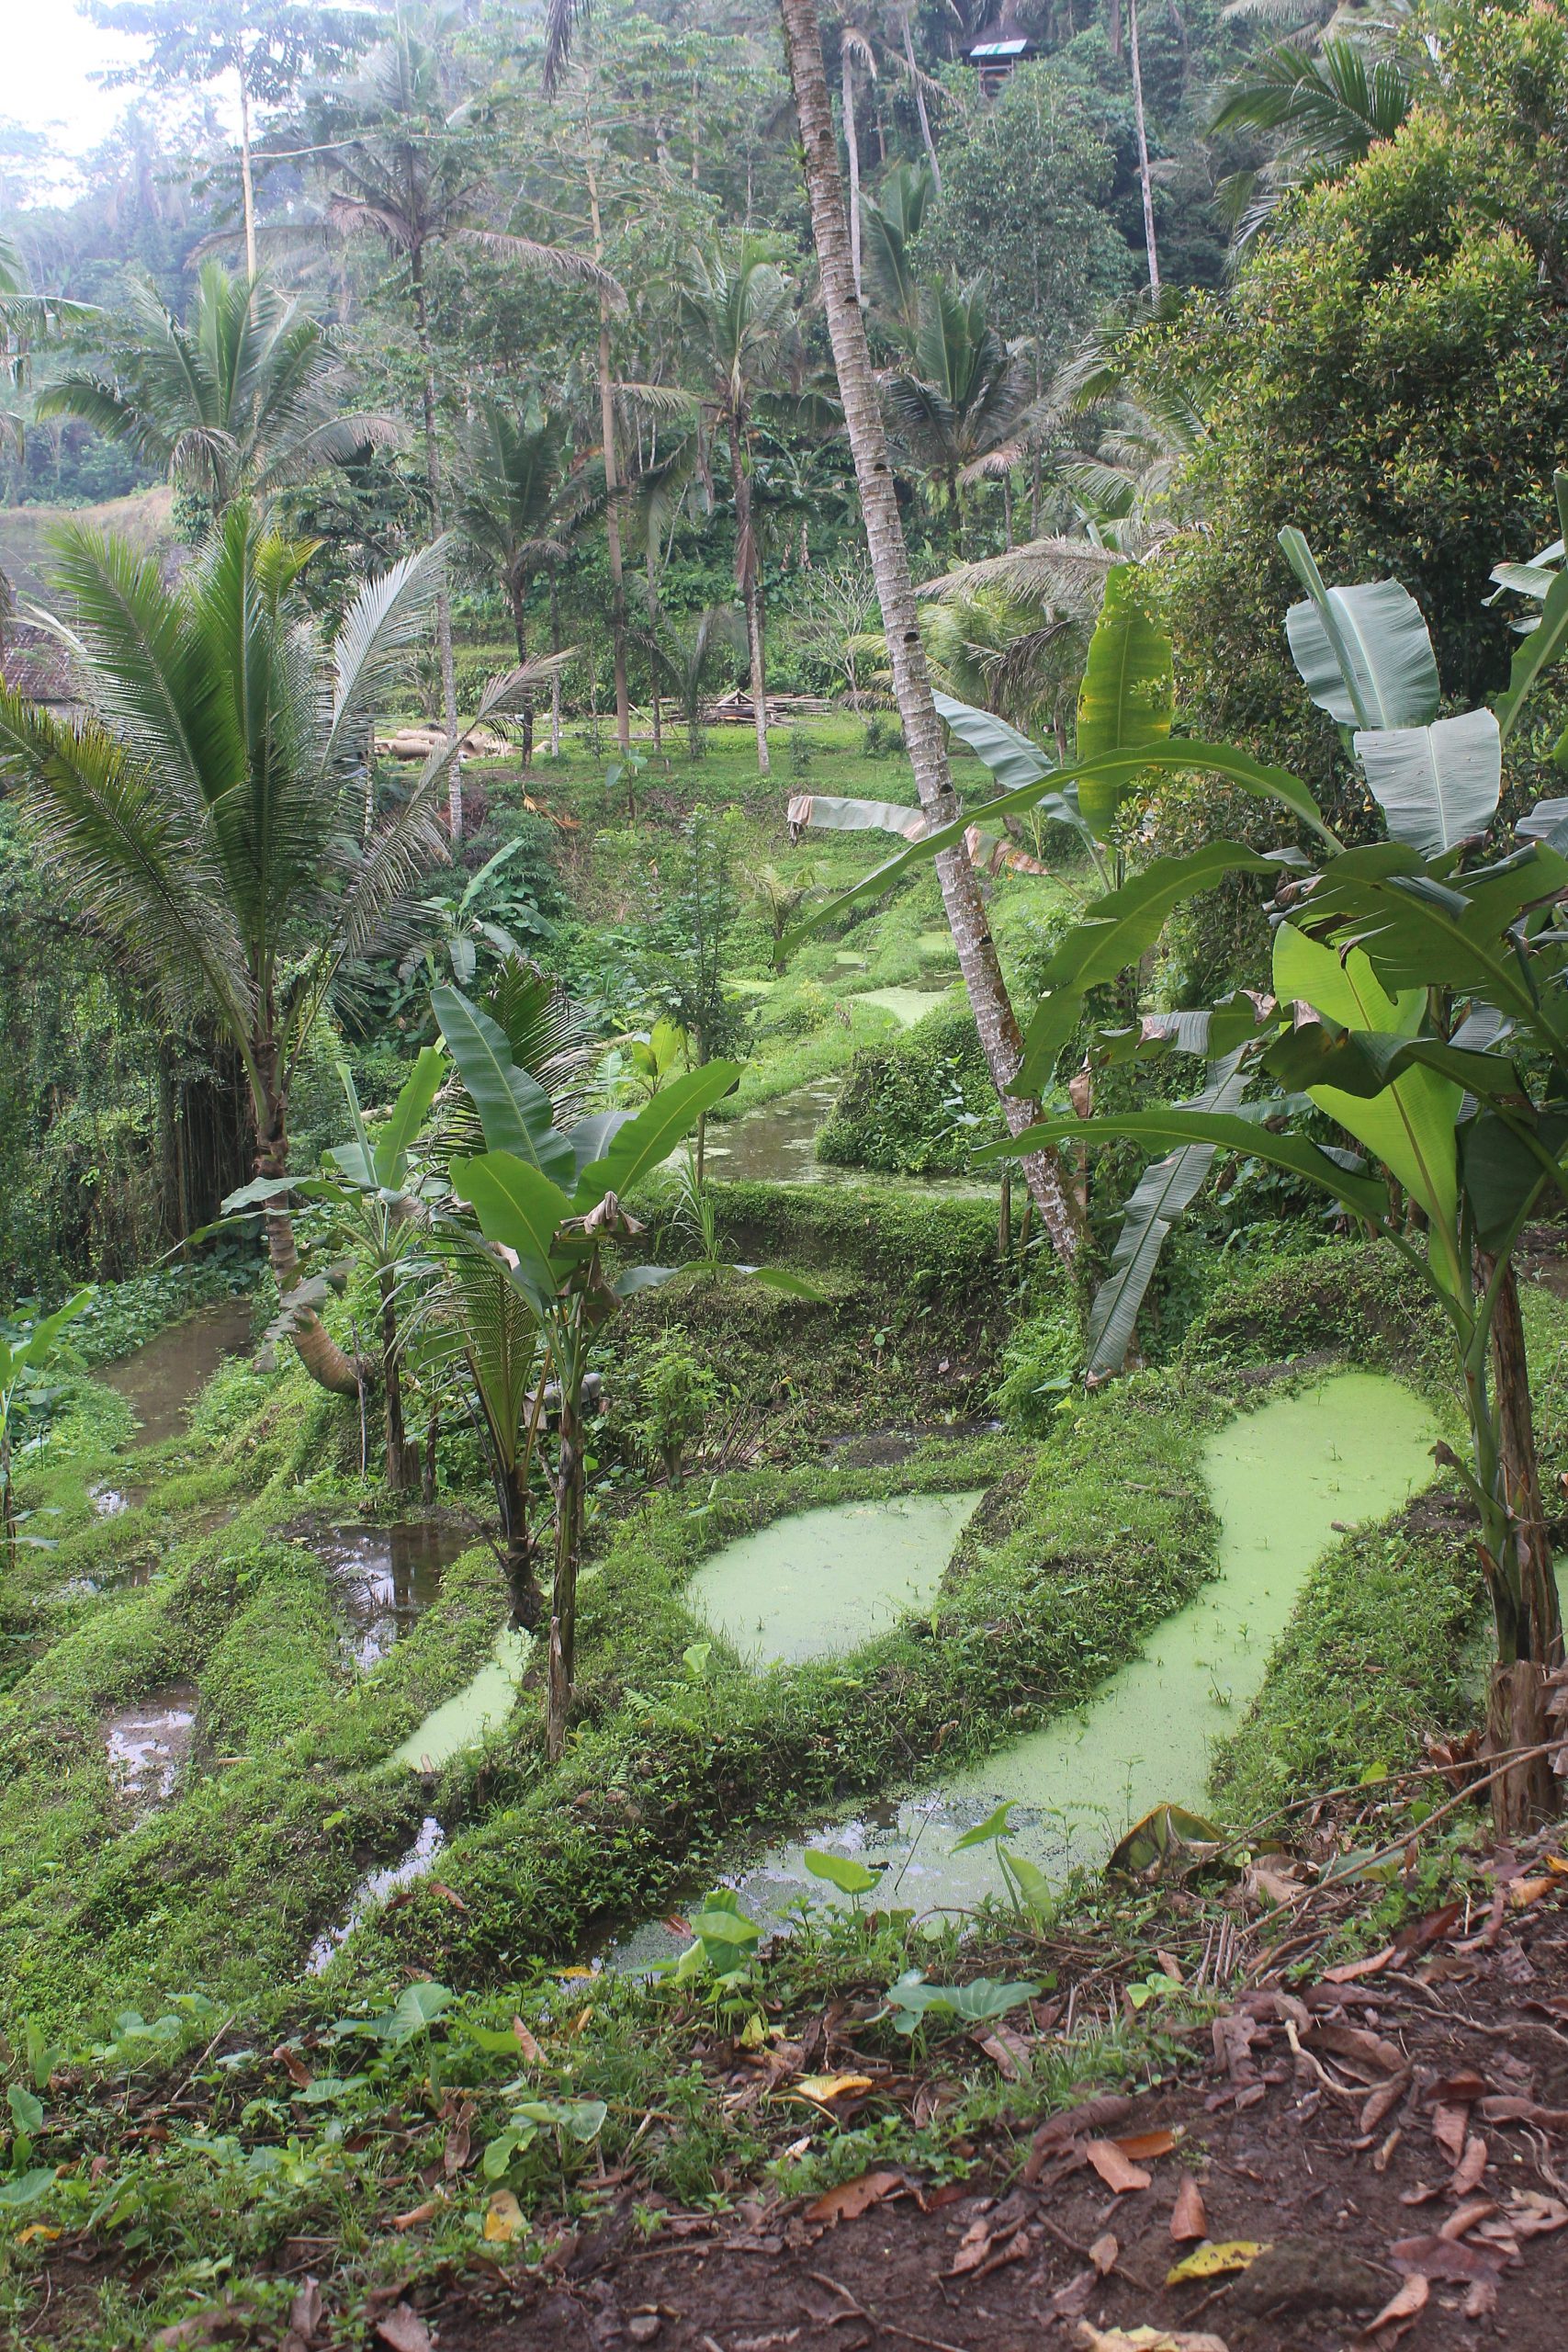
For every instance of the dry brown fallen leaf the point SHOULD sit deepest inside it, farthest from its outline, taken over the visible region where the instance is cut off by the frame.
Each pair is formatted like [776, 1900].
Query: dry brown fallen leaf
[404, 2330]
[1117, 2171]
[1451, 2129]
[1407, 2305]
[1143, 2146]
[416, 2214]
[1103, 2254]
[304, 2317]
[853, 2197]
[1435, 2258]
[1471, 2166]
[1188, 2221]
[503, 2219]
[527, 2043]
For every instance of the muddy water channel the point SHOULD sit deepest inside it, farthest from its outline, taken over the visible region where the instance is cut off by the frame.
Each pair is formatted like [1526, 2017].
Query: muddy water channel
[1282, 1481]
[776, 1144]
[162, 1380]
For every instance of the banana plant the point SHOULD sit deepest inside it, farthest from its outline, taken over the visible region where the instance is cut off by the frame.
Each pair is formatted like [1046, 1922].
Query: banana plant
[1422, 1005]
[21, 1361]
[550, 1204]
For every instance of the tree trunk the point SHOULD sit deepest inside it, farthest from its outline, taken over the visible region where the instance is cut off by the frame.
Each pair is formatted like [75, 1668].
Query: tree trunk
[444, 599]
[927, 141]
[520, 630]
[568, 1528]
[994, 1017]
[522, 1583]
[247, 182]
[403, 1459]
[612, 491]
[1516, 1555]
[555, 675]
[851, 146]
[317, 1350]
[747, 565]
[1143, 148]
[1521, 1473]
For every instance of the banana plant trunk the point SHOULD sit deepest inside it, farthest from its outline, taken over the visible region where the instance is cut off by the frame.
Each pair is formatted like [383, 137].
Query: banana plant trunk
[1521, 1573]
[569, 1538]
[748, 567]
[403, 1459]
[520, 630]
[994, 1016]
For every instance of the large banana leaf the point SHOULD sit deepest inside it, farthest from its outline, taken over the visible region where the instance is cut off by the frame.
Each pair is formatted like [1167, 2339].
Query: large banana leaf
[416, 1096]
[1364, 653]
[1436, 786]
[1365, 1062]
[1163, 1193]
[1420, 933]
[514, 1111]
[1177, 759]
[1116, 931]
[1547, 822]
[1128, 696]
[1410, 1124]
[1536, 653]
[520, 1210]
[1364, 1196]
[648, 1139]
[833, 814]
[1012, 759]
[1504, 1176]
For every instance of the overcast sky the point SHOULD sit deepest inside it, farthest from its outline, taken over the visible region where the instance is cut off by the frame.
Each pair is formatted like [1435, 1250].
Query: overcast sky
[50, 54]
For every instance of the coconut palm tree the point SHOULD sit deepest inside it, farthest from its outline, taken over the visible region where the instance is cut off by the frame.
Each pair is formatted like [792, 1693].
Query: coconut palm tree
[962, 392]
[407, 176]
[995, 1019]
[521, 497]
[738, 313]
[211, 809]
[243, 398]
[1327, 110]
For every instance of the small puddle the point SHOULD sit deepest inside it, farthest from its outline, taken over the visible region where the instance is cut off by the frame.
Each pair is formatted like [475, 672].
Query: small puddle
[481, 1706]
[386, 1578]
[133, 1577]
[148, 1744]
[162, 1380]
[1348, 1451]
[373, 1889]
[819, 1583]
[108, 1502]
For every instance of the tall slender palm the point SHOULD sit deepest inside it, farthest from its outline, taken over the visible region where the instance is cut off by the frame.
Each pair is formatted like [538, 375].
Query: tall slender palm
[409, 177]
[521, 497]
[209, 811]
[243, 397]
[995, 1019]
[963, 391]
[892, 221]
[739, 312]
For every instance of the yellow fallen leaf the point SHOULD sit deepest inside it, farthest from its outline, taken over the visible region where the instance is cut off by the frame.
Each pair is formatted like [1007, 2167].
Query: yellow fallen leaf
[584, 2021]
[825, 2088]
[503, 2219]
[571, 1976]
[1526, 1891]
[1146, 2339]
[1212, 2261]
[35, 2233]
[1558, 1862]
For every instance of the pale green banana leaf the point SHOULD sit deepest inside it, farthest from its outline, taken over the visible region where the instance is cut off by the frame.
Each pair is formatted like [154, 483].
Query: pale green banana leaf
[1364, 653]
[1436, 786]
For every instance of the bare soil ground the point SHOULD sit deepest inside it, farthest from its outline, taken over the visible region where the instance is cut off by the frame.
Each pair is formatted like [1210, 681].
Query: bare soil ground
[1379, 2159]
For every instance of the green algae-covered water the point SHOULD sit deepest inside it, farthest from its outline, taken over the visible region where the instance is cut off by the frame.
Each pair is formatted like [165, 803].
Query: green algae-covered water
[463, 1720]
[1282, 1480]
[821, 1582]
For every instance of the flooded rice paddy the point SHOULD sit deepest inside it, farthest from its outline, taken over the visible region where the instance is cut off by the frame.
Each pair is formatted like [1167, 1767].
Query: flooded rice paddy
[482, 1706]
[375, 1889]
[385, 1578]
[162, 1380]
[147, 1745]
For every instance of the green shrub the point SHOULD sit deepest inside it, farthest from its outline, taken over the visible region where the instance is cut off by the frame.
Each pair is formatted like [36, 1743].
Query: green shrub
[918, 1104]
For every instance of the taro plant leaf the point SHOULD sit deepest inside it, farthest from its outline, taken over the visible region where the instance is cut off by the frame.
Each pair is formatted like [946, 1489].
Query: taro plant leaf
[996, 1824]
[518, 1209]
[26, 2110]
[26, 2188]
[1163, 1193]
[515, 1109]
[912, 2000]
[780, 1278]
[1034, 1887]
[415, 2010]
[1436, 786]
[416, 1096]
[1364, 654]
[1115, 931]
[1410, 1125]
[726, 1937]
[582, 2119]
[1364, 1196]
[647, 1140]
[844, 1872]
[1128, 696]
[1164, 1834]
[1535, 655]
[1012, 759]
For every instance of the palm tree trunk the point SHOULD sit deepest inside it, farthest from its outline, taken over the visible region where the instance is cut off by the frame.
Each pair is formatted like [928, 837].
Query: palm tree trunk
[927, 141]
[247, 180]
[747, 565]
[317, 1350]
[611, 490]
[520, 630]
[1143, 147]
[851, 144]
[444, 600]
[402, 1460]
[993, 1011]
[555, 675]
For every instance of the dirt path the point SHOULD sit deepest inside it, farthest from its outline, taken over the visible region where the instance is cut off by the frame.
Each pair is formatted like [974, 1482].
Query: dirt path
[1398, 2143]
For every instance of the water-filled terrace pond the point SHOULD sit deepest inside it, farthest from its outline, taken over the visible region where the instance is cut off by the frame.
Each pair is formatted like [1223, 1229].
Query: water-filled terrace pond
[386, 1578]
[148, 1744]
[1282, 1480]
[162, 1380]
